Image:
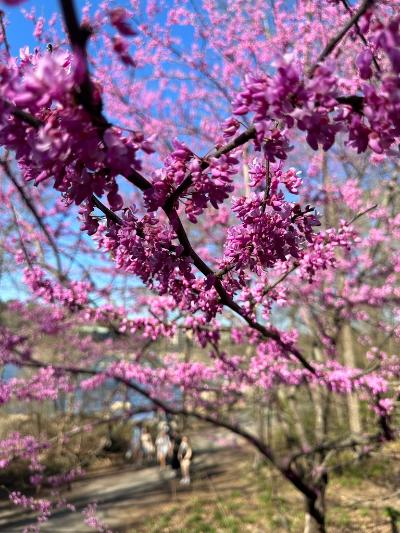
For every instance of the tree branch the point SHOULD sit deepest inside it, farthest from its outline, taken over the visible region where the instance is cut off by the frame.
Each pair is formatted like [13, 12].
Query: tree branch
[362, 213]
[78, 36]
[283, 466]
[241, 139]
[104, 209]
[360, 34]
[33, 210]
[4, 33]
[339, 36]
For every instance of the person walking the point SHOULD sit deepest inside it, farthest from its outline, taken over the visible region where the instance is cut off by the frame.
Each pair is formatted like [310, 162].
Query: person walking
[185, 456]
[175, 463]
[163, 445]
[147, 445]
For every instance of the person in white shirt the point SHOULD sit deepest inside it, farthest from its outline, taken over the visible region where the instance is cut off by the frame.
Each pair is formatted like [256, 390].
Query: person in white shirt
[185, 457]
[163, 445]
[147, 445]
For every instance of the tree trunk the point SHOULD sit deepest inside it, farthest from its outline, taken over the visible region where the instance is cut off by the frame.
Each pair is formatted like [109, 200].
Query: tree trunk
[246, 178]
[188, 355]
[330, 216]
[318, 402]
[315, 512]
[297, 422]
[349, 360]
[311, 525]
[261, 429]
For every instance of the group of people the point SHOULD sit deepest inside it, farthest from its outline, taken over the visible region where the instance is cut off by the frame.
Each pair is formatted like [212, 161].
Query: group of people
[169, 446]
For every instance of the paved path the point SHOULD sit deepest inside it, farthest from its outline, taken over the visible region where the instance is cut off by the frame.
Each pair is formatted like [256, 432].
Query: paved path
[111, 492]
[127, 492]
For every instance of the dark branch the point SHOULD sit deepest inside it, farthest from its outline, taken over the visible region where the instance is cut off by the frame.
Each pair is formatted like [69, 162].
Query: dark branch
[264, 449]
[104, 209]
[4, 33]
[241, 139]
[143, 184]
[78, 36]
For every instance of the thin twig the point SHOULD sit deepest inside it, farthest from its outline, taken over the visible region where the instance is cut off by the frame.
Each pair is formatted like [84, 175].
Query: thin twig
[339, 36]
[31, 206]
[267, 187]
[4, 33]
[360, 34]
[362, 213]
[279, 280]
[205, 163]
[21, 240]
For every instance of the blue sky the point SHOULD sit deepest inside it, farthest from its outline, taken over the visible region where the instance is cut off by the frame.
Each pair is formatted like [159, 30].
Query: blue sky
[19, 34]
[19, 30]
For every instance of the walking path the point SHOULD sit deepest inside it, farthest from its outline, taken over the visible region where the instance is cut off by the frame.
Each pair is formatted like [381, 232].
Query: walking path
[127, 492]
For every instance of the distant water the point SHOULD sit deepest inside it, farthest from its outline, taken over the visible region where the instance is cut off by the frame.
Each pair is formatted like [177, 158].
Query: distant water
[9, 371]
[89, 402]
